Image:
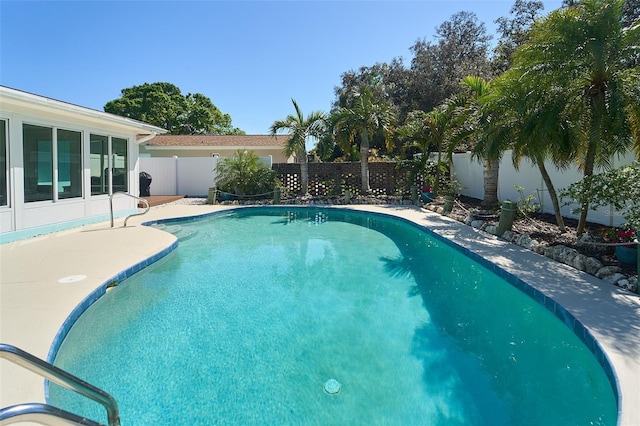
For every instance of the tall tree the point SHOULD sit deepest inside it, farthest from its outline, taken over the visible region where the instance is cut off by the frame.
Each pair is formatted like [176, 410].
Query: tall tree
[300, 129]
[388, 84]
[461, 49]
[517, 125]
[513, 31]
[364, 119]
[429, 132]
[477, 121]
[163, 105]
[582, 56]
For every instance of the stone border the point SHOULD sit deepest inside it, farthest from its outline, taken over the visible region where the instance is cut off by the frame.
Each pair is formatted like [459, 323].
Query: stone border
[559, 253]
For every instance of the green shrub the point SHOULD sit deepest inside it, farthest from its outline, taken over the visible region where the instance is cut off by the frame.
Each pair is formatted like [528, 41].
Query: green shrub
[245, 174]
[619, 188]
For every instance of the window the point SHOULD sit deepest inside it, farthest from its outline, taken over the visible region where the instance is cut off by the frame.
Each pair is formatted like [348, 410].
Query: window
[38, 163]
[120, 167]
[99, 149]
[99, 157]
[69, 150]
[4, 169]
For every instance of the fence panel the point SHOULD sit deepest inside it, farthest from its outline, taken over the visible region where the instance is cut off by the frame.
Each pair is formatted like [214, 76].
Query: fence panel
[195, 175]
[163, 173]
[469, 173]
[190, 176]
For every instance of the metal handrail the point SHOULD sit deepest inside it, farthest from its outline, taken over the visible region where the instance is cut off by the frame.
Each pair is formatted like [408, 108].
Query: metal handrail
[60, 377]
[131, 215]
[43, 414]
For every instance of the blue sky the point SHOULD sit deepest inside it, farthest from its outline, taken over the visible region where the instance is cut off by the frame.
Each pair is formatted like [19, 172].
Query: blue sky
[249, 57]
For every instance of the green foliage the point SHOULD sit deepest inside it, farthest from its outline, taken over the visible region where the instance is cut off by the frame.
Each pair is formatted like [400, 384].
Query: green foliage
[300, 129]
[582, 98]
[461, 48]
[163, 105]
[513, 32]
[433, 175]
[245, 174]
[364, 120]
[527, 204]
[619, 188]
[451, 186]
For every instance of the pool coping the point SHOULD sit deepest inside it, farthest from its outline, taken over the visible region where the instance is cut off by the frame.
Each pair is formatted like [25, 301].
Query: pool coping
[567, 294]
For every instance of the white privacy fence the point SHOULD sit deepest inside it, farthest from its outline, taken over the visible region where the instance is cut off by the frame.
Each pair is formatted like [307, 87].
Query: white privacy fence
[470, 175]
[191, 176]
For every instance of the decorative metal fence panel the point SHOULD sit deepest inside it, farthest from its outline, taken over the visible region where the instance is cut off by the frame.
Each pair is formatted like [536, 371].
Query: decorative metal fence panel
[326, 179]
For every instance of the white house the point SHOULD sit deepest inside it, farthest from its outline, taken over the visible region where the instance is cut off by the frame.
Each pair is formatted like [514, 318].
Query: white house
[61, 162]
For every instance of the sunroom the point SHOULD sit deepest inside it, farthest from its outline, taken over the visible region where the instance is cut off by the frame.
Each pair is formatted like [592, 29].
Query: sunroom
[62, 164]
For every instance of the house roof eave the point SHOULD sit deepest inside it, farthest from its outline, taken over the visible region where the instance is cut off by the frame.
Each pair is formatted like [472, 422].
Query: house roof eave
[29, 103]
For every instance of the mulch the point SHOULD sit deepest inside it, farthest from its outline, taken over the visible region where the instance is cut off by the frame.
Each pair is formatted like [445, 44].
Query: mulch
[542, 227]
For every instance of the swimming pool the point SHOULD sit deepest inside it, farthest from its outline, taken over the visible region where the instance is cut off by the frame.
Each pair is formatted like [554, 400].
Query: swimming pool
[258, 308]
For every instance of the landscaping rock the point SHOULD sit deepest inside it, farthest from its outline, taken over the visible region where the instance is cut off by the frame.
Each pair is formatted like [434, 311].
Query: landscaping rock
[591, 242]
[477, 223]
[607, 271]
[540, 248]
[580, 262]
[614, 278]
[592, 265]
[508, 236]
[524, 240]
[492, 229]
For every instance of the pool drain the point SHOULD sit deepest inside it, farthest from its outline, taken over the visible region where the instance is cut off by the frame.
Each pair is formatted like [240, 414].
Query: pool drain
[332, 386]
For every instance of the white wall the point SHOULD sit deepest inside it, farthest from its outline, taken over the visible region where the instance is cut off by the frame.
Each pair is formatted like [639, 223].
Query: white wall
[163, 173]
[190, 176]
[470, 175]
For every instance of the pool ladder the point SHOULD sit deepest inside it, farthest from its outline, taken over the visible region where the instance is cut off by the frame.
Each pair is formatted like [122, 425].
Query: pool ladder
[48, 414]
[131, 215]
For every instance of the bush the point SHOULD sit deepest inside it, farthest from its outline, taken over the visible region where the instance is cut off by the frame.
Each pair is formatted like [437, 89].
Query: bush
[619, 188]
[245, 174]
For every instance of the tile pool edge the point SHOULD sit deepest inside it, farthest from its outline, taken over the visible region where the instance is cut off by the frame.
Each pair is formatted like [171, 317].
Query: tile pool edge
[92, 297]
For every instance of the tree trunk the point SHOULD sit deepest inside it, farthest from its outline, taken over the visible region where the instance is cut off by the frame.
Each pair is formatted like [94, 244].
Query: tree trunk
[584, 207]
[491, 171]
[552, 194]
[304, 173]
[597, 107]
[364, 162]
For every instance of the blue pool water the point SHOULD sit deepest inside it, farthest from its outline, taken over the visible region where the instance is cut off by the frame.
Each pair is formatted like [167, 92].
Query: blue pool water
[257, 309]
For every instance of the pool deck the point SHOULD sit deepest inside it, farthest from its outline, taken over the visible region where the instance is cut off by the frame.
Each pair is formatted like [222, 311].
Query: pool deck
[34, 304]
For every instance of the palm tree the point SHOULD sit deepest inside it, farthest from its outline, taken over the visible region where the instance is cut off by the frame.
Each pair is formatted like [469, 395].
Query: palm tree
[300, 130]
[579, 60]
[366, 118]
[470, 125]
[517, 126]
[428, 132]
